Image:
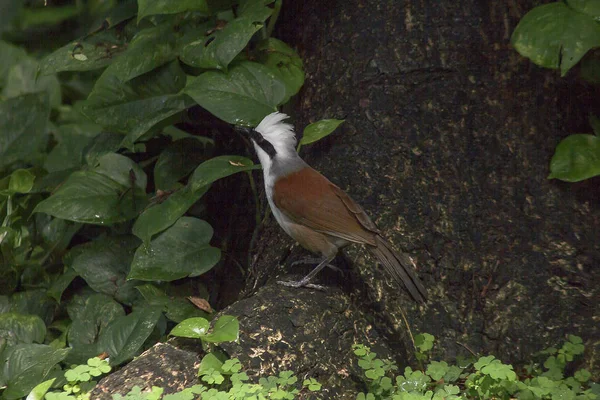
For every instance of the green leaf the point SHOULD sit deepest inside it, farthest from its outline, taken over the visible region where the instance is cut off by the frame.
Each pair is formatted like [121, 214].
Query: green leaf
[105, 142]
[577, 157]
[176, 309]
[149, 49]
[226, 329]
[88, 53]
[589, 7]
[242, 96]
[19, 328]
[483, 361]
[424, 342]
[21, 181]
[178, 160]
[194, 328]
[155, 7]
[11, 55]
[121, 12]
[122, 170]
[160, 216]
[182, 250]
[94, 198]
[437, 369]
[452, 374]
[24, 365]
[125, 335]
[219, 48]
[284, 62]
[499, 371]
[553, 36]
[23, 78]
[38, 392]
[23, 122]
[72, 140]
[137, 106]
[104, 265]
[60, 284]
[34, 302]
[219, 167]
[209, 361]
[91, 318]
[318, 130]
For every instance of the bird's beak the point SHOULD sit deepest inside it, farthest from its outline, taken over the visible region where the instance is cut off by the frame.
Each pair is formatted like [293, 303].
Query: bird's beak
[251, 133]
[242, 129]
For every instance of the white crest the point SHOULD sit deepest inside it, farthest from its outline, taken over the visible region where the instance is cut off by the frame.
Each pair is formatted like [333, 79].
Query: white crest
[280, 134]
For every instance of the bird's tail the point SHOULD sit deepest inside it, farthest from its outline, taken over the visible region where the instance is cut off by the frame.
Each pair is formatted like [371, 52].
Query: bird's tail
[400, 266]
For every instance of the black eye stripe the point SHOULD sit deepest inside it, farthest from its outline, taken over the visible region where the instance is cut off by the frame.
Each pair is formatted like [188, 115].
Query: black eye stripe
[263, 143]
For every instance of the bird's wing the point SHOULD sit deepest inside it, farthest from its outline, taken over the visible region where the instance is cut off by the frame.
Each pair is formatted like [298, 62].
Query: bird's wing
[310, 199]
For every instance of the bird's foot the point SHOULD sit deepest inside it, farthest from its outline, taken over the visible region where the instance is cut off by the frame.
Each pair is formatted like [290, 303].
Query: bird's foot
[302, 283]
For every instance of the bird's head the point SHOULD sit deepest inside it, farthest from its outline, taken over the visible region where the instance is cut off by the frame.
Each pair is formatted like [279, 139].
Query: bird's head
[274, 138]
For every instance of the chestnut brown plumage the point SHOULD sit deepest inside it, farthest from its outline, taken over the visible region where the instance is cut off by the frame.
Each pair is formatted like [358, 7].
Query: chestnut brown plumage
[315, 212]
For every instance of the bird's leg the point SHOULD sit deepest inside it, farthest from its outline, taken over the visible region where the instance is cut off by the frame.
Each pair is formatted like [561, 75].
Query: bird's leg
[313, 261]
[304, 282]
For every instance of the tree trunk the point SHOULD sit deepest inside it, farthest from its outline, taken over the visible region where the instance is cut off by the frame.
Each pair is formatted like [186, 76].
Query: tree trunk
[446, 144]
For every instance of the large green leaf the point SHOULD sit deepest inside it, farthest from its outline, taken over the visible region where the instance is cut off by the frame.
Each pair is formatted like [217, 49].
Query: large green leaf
[11, 55]
[36, 302]
[89, 53]
[577, 157]
[38, 392]
[219, 167]
[137, 106]
[25, 365]
[125, 335]
[104, 264]
[149, 49]
[105, 142]
[72, 139]
[318, 130]
[242, 96]
[194, 328]
[23, 122]
[589, 7]
[553, 35]
[182, 250]
[178, 160]
[112, 193]
[162, 215]
[225, 329]
[284, 62]
[91, 318]
[60, 284]
[155, 7]
[122, 170]
[176, 308]
[23, 78]
[21, 328]
[219, 48]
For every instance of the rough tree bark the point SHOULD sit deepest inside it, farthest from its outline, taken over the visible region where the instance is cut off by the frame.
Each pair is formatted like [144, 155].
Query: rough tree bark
[446, 143]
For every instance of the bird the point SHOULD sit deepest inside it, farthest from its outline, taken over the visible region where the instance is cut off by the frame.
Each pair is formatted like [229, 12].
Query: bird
[316, 213]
